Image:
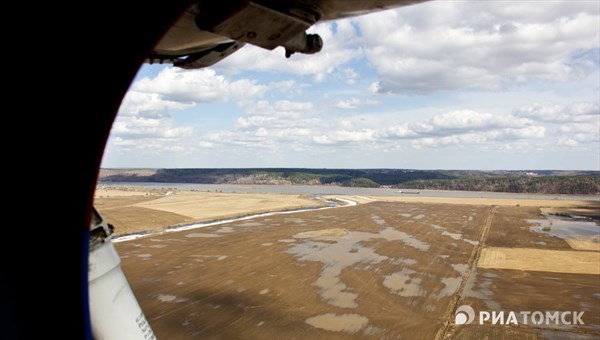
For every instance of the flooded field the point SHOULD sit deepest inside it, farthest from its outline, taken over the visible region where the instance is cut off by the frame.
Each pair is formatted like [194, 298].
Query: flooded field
[378, 270]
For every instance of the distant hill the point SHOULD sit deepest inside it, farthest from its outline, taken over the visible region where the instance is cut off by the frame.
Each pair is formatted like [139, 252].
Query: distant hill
[526, 181]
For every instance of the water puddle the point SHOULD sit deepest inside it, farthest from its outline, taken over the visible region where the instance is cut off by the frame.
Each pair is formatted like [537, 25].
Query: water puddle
[335, 257]
[451, 284]
[225, 230]
[403, 262]
[455, 236]
[403, 284]
[349, 323]
[566, 227]
[338, 249]
[480, 288]
[378, 220]
[460, 267]
[392, 234]
[158, 246]
[471, 242]
[578, 231]
[293, 220]
[249, 224]
[170, 298]
[191, 235]
[371, 330]
[201, 257]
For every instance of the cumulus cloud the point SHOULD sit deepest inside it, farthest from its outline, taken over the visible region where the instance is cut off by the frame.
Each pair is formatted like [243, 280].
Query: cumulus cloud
[441, 46]
[556, 113]
[345, 136]
[280, 115]
[347, 75]
[153, 134]
[467, 120]
[286, 105]
[353, 103]
[402, 131]
[493, 138]
[150, 105]
[204, 86]
[141, 127]
[144, 120]
[576, 134]
[299, 123]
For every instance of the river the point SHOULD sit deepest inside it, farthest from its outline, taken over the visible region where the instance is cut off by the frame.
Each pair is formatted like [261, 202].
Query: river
[337, 190]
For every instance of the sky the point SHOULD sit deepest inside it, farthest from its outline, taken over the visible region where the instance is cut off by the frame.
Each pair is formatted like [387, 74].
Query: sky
[477, 85]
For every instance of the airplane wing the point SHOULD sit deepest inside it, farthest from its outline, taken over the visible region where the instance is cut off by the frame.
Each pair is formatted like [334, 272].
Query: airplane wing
[209, 30]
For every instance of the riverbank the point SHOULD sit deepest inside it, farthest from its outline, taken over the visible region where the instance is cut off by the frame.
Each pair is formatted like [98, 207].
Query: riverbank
[139, 209]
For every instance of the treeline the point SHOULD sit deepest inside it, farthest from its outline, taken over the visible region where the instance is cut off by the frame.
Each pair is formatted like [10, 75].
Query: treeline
[527, 181]
[270, 176]
[573, 185]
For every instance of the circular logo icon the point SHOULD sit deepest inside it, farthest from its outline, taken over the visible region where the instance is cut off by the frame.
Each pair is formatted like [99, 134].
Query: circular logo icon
[464, 315]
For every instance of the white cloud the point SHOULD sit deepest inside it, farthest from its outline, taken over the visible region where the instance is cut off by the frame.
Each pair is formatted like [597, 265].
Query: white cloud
[144, 121]
[577, 134]
[149, 105]
[493, 139]
[556, 113]
[347, 75]
[579, 128]
[344, 136]
[286, 105]
[284, 85]
[280, 115]
[351, 103]
[567, 141]
[401, 131]
[204, 86]
[467, 120]
[140, 127]
[441, 46]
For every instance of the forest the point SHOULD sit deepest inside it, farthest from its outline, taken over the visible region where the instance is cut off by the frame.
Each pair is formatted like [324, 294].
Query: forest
[521, 181]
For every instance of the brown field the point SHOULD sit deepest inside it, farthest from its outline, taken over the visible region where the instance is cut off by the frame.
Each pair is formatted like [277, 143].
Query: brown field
[133, 210]
[381, 270]
[589, 243]
[541, 260]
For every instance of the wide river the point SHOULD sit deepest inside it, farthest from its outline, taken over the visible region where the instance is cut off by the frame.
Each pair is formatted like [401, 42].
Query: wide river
[335, 190]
